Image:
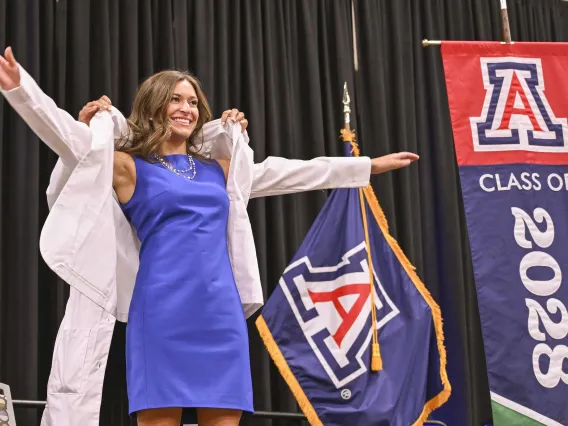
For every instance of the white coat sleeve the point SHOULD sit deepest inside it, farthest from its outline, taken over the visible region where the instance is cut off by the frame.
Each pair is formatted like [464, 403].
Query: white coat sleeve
[278, 176]
[67, 137]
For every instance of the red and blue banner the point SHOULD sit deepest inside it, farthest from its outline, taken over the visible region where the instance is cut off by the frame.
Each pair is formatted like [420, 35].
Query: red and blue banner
[348, 290]
[509, 112]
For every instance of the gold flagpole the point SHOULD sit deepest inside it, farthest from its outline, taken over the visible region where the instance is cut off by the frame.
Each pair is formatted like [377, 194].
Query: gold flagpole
[348, 135]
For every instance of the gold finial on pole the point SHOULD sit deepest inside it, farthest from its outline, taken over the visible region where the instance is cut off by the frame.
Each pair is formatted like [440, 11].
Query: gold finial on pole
[346, 107]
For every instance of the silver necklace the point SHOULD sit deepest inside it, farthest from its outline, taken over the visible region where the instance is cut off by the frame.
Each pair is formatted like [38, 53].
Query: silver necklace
[191, 169]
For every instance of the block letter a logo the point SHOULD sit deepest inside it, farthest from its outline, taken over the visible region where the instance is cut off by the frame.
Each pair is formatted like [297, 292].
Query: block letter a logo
[516, 114]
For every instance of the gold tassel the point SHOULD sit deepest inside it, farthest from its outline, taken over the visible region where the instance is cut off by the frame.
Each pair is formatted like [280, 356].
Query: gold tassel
[376, 360]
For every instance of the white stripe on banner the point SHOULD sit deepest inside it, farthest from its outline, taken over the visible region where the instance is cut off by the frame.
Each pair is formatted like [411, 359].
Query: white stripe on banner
[524, 410]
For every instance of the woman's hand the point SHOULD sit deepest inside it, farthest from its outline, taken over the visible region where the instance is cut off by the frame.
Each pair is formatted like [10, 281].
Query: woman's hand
[235, 115]
[390, 162]
[90, 109]
[9, 71]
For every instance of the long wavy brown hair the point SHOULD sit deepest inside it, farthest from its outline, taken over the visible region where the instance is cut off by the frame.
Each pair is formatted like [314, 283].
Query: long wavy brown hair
[149, 124]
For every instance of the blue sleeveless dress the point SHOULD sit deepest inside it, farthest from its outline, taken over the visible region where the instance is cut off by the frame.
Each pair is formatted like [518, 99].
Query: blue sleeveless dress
[186, 337]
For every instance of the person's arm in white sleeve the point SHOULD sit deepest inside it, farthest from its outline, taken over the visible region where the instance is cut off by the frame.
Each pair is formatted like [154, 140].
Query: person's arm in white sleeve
[67, 137]
[278, 176]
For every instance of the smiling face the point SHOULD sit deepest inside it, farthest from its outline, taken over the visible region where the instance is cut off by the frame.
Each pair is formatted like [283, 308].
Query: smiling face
[169, 108]
[183, 111]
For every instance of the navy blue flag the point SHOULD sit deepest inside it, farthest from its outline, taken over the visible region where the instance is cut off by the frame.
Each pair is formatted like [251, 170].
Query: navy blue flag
[324, 319]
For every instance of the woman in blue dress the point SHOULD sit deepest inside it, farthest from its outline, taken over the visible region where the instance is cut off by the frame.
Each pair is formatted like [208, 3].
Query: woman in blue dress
[187, 351]
[187, 343]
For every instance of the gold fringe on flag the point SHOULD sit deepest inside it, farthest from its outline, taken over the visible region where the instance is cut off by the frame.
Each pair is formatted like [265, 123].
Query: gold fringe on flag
[444, 395]
[287, 375]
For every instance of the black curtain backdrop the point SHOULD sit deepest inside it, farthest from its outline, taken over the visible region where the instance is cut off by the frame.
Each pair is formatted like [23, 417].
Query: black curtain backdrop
[284, 63]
